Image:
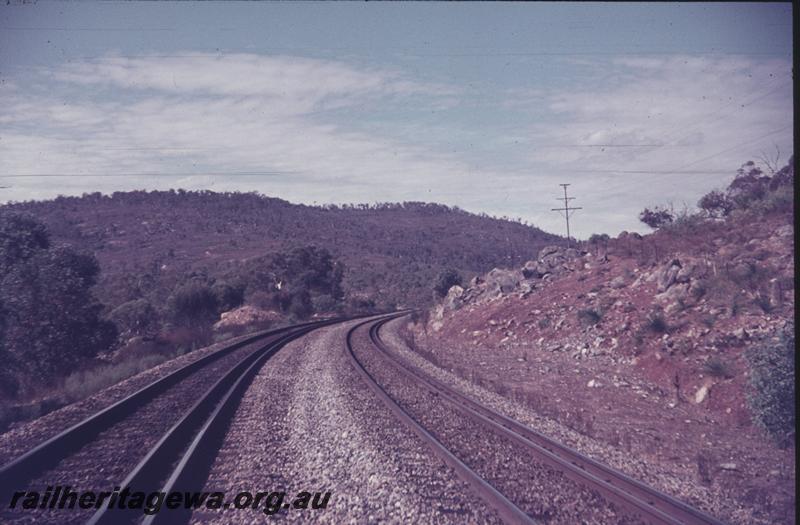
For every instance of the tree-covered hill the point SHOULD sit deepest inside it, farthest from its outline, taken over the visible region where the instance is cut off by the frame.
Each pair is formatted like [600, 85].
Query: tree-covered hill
[146, 242]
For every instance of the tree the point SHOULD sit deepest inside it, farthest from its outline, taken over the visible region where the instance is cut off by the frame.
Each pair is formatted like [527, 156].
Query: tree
[135, 318]
[228, 296]
[750, 184]
[656, 218]
[50, 318]
[446, 279]
[192, 304]
[715, 204]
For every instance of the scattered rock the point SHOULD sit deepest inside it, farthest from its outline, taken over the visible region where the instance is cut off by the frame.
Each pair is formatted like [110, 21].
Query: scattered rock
[245, 315]
[617, 283]
[499, 282]
[669, 275]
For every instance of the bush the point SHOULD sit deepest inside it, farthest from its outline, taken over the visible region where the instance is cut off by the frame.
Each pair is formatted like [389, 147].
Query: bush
[771, 398]
[228, 296]
[137, 317]
[656, 218]
[84, 383]
[446, 280]
[192, 304]
[300, 305]
[589, 317]
[656, 323]
[716, 367]
[684, 223]
[715, 204]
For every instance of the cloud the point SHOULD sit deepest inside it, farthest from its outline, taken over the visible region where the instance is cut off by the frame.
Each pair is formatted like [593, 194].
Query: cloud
[331, 131]
[664, 128]
[203, 113]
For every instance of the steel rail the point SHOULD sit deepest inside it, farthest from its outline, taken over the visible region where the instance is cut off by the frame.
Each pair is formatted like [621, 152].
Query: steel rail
[185, 454]
[654, 506]
[507, 510]
[47, 454]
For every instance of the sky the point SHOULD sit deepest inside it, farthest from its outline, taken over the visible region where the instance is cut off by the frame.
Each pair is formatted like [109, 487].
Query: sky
[485, 106]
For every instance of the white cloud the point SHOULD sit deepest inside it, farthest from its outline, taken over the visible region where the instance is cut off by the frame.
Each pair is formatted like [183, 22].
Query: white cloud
[316, 127]
[203, 113]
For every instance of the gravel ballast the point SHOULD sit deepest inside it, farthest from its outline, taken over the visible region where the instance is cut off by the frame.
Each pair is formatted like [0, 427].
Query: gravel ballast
[309, 423]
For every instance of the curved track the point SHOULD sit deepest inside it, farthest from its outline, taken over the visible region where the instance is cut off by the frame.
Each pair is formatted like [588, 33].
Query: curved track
[118, 441]
[635, 499]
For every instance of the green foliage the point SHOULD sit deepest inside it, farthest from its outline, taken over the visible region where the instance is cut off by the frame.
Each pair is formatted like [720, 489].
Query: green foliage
[589, 317]
[684, 223]
[21, 237]
[716, 367]
[656, 323]
[228, 296]
[715, 204]
[772, 395]
[136, 318]
[446, 279]
[83, 383]
[656, 218]
[192, 304]
[312, 268]
[50, 319]
[300, 305]
[597, 238]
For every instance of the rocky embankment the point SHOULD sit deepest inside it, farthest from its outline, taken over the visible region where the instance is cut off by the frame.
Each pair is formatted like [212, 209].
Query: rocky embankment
[647, 354]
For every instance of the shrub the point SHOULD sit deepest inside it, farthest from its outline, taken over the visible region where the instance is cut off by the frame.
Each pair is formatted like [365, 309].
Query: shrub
[597, 238]
[715, 204]
[656, 323]
[137, 317]
[192, 304]
[589, 317]
[300, 304]
[228, 296]
[716, 367]
[446, 280]
[778, 200]
[84, 383]
[656, 218]
[771, 398]
[762, 301]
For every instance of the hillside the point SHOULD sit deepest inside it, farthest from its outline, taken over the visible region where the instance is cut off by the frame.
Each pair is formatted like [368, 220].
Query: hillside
[672, 350]
[147, 241]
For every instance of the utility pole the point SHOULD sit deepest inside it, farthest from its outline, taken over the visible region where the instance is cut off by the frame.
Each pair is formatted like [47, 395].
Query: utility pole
[566, 209]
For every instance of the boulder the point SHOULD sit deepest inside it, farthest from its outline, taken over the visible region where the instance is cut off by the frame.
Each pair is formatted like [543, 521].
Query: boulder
[534, 270]
[453, 299]
[668, 275]
[692, 269]
[499, 282]
[617, 282]
[677, 294]
[547, 250]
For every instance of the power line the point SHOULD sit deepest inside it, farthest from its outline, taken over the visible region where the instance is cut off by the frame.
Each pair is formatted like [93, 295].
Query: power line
[151, 174]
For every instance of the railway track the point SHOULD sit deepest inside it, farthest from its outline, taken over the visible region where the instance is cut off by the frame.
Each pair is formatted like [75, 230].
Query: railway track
[636, 501]
[161, 437]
